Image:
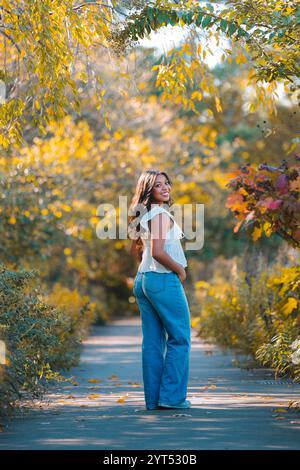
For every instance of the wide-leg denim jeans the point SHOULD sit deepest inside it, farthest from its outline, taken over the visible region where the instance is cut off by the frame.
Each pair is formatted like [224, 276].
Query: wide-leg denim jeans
[166, 330]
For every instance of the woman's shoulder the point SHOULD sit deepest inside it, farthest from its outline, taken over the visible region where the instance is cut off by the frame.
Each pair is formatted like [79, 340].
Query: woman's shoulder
[154, 211]
[151, 213]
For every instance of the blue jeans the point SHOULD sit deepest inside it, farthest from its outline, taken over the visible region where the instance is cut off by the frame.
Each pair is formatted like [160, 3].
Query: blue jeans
[166, 332]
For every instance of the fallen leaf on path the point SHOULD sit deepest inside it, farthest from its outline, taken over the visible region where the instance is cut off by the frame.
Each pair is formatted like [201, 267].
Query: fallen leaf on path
[280, 410]
[94, 381]
[113, 377]
[94, 395]
[74, 383]
[206, 387]
[123, 398]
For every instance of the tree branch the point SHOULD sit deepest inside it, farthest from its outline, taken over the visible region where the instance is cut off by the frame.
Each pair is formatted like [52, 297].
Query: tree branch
[12, 40]
[101, 5]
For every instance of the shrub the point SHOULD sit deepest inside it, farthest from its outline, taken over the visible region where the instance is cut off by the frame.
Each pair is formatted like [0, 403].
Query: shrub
[257, 315]
[40, 338]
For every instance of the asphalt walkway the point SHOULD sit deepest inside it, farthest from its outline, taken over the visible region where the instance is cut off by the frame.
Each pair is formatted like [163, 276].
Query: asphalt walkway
[232, 407]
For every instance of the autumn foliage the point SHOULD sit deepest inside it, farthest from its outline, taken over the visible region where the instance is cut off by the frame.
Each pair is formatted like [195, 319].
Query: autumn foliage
[267, 199]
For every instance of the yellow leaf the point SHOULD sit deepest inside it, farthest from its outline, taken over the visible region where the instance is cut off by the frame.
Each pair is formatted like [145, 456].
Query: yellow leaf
[186, 48]
[267, 228]
[92, 396]
[94, 381]
[118, 135]
[256, 234]
[202, 284]
[241, 59]
[195, 95]
[123, 398]
[280, 410]
[290, 305]
[218, 104]
[107, 123]
[142, 85]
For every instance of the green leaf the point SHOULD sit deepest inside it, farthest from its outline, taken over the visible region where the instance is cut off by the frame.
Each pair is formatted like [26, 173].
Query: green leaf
[232, 29]
[187, 17]
[206, 22]
[198, 19]
[173, 18]
[223, 25]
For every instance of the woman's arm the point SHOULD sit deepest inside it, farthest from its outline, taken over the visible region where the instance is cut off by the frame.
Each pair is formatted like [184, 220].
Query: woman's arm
[136, 250]
[159, 226]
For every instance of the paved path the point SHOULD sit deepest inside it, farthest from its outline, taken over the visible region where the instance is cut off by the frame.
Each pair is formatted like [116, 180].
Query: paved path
[233, 408]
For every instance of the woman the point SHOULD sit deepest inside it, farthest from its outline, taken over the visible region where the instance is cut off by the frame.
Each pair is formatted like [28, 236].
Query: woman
[159, 292]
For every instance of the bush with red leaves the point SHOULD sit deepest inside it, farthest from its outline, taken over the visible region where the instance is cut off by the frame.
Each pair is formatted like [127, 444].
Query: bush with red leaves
[266, 199]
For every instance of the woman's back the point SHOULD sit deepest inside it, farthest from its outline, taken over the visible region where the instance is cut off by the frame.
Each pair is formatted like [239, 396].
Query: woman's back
[172, 244]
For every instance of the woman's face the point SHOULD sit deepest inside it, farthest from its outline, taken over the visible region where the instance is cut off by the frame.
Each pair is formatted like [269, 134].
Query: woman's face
[161, 190]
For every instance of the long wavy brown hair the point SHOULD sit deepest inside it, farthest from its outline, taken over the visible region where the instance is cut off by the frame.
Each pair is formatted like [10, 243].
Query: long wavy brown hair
[143, 195]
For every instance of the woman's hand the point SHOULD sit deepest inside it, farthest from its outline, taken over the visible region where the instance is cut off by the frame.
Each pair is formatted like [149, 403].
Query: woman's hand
[182, 275]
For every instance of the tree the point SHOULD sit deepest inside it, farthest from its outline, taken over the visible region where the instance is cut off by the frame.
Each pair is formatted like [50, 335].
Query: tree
[269, 30]
[49, 49]
[46, 52]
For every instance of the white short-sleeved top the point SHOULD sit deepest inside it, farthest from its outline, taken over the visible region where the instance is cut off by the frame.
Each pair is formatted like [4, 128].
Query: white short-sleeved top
[172, 244]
